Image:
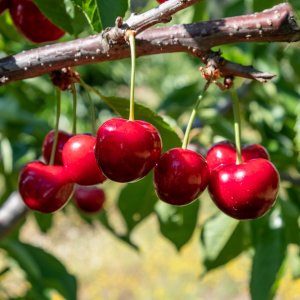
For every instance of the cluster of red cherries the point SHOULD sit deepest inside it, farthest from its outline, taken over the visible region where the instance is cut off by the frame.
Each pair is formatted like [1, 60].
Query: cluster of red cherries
[126, 151]
[30, 21]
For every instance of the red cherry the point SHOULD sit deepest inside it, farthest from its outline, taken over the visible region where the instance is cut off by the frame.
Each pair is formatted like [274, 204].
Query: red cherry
[225, 153]
[161, 1]
[127, 150]
[89, 199]
[180, 176]
[32, 23]
[44, 188]
[244, 191]
[63, 137]
[4, 4]
[80, 162]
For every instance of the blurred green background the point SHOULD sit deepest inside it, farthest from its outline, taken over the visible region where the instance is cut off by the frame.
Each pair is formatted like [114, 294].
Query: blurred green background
[258, 259]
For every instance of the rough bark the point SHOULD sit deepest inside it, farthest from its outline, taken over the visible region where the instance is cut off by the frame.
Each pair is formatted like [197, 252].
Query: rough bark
[273, 25]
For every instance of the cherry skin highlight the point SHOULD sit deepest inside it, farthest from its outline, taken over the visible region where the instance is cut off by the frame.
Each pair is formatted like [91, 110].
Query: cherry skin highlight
[244, 191]
[44, 188]
[224, 153]
[180, 176]
[80, 162]
[89, 199]
[31, 22]
[127, 150]
[63, 137]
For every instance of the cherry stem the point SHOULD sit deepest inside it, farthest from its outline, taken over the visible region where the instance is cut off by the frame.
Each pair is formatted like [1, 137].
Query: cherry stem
[237, 126]
[74, 94]
[193, 115]
[58, 105]
[131, 36]
[92, 112]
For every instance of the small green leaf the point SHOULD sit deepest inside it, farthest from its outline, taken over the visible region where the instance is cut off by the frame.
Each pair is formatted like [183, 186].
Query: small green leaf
[91, 10]
[176, 223]
[44, 221]
[222, 239]
[270, 252]
[42, 269]
[109, 12]
[136, 201]
[121, 106]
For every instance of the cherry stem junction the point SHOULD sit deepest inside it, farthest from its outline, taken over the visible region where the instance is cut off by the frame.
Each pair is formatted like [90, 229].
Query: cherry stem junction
[58, 109]
[193, 115]
[74, 94]
[237, 126]
[131, 37]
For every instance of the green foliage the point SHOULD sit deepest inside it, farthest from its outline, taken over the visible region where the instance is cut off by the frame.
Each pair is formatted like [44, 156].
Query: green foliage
[222, 239]
[270, 252]
[43, 271]
[177, 224]
[167, 86]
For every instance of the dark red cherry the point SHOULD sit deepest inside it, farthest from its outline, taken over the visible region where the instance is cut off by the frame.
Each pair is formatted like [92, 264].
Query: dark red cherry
[31, 22]
[127, 150]
[44, 188]
[161, 1]
[244, 191]
[180, 176]
[89, 199]
[4, 4]
[63, 137]
[225, 153]
[80, 162]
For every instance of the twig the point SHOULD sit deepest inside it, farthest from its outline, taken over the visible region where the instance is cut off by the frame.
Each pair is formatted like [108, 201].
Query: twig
[274, 25]
[11, 212]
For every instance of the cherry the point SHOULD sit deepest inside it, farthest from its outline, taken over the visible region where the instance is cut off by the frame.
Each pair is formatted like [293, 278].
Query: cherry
[244, 191]
[44, 188]
[180, 176]
[127, 150]
[89, 199]
[4, 4]
[225, 153]
[63, 137]
[32, 23]
[80, 162]
[161, 1]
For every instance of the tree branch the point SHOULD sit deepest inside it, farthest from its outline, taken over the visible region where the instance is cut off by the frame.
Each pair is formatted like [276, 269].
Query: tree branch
[11, 212]
[273, 25]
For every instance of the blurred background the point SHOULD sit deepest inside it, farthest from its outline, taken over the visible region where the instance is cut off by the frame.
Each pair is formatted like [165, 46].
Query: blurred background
[165, 253]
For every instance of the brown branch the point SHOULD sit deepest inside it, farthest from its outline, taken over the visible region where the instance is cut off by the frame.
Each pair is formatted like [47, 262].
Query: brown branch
[11, 212]
[274, 25]
[162, 14]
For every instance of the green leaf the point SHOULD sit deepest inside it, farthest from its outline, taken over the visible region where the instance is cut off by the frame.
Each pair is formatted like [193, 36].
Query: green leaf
[44, 221]
[91, 10]
[109, 12]
[42, 269]
[222, 239]
[137, 201]
[65, 14]
[121, 106]
[290, 215]
[267, 266]
[176, 223]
